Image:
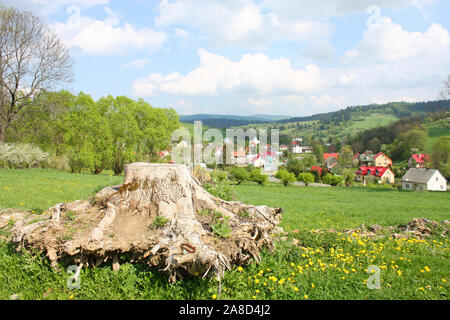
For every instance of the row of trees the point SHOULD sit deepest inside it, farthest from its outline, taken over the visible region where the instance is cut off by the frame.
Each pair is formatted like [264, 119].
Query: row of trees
[97, 135]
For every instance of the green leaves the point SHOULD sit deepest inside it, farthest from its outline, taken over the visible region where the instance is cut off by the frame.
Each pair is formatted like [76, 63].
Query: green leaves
[285, 176]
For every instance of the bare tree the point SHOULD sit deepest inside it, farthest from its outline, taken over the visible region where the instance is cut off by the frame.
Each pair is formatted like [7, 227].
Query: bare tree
[32, 59]
[445, 92]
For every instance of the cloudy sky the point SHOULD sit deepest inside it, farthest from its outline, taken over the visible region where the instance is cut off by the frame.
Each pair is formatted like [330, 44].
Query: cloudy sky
[285, 57]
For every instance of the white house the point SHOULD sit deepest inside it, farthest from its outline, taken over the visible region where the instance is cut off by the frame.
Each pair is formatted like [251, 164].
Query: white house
[422, 179]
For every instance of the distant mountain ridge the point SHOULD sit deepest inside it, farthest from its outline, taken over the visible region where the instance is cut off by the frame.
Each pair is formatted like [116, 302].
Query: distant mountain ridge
[221, 120]
[397, 109]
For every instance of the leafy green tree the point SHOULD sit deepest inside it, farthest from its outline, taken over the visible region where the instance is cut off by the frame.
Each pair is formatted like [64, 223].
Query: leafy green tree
[346, 156]
[87, 138]
[258, 177]
[155, 128]
[440, 156]
[285, 176]
[43, 123]
[306, 178]
[124, 131]
[402, 145]
[297, 166]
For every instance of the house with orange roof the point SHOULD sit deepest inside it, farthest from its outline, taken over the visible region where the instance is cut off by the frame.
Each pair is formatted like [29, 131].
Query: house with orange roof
[240, 158]
[331, 160]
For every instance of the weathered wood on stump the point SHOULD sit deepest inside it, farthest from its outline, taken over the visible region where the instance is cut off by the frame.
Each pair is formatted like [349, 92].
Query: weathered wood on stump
[121, 221]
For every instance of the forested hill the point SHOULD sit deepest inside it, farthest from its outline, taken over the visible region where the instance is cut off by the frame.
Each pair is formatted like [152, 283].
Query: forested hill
[397, 109]
[225, 121]
[353, 113]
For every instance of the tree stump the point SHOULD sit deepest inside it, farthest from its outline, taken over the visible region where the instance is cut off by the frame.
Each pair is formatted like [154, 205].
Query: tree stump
[160, 216]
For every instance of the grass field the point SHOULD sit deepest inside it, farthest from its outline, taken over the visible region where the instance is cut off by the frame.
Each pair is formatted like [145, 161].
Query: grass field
[328, 265]
[373, 121]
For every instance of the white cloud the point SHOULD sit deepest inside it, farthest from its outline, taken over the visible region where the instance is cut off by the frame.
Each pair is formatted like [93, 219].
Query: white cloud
[258, 103]
[389, 56]
[386, 41]
[217, 74]
[106, 37]
[238, 22]
[49, 7]
[135, 64]
[325, 9]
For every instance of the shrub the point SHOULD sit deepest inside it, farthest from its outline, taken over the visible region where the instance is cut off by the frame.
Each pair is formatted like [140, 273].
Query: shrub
[19, 156]
[285, 176]
[306, 178]
[332, 180]
[239, 174]
[218, 186]
[258, 177]
[60, 163]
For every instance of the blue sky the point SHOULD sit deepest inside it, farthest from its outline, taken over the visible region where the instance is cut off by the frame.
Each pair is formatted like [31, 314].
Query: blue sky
[288, 57]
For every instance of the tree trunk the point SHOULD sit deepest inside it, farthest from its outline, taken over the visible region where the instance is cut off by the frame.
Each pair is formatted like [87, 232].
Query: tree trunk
[2, 132]
[161, 216]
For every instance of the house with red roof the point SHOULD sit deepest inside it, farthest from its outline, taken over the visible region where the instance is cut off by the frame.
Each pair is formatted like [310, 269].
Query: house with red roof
[318, 169]
[382, 160]
[382, 174]
[418, 160]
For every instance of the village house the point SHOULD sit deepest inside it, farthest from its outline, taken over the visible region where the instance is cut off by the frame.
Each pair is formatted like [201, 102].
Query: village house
[382, 160]
[422, 179]
[418, 160]
[331, 160]
[316, 168]
[284, 147]
[240, 158]
[366, 159]
[381, 174]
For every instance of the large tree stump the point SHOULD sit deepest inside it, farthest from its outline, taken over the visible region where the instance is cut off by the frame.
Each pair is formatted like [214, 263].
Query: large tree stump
[160, 216]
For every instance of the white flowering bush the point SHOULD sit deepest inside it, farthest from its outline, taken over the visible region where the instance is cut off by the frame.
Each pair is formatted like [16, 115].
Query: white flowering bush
[22, 156]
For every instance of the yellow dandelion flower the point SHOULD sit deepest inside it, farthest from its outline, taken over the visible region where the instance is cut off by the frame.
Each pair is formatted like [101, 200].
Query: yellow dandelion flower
[295, 289]
[240, 269]
[306, 296]
[214, 296]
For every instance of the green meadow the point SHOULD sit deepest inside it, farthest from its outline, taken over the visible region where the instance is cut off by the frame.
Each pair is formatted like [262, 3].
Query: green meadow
[324, 264]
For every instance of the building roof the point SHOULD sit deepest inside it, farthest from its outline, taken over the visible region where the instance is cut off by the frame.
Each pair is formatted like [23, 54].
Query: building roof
[379, 154]
[371, 171]
[419, 175]
[239, 153]
[319, 169]
[328, 155]
[420, 158]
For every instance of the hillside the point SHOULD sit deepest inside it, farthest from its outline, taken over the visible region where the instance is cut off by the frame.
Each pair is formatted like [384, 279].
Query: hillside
[221, 120]
[347, 123]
